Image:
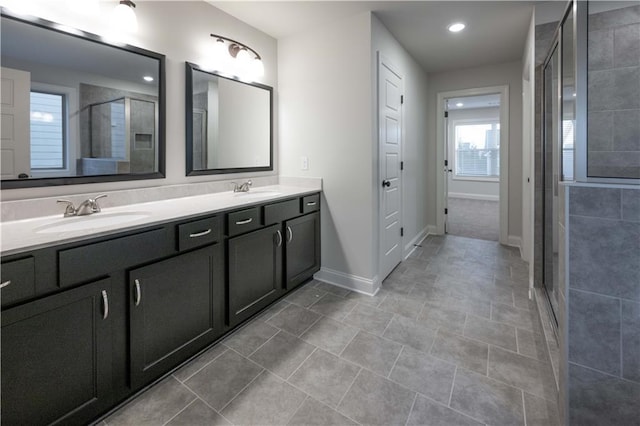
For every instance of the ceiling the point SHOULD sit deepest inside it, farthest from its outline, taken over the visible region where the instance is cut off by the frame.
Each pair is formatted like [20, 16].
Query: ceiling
[496, 30]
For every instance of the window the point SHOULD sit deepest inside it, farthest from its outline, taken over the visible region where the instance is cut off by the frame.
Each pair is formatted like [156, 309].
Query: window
[48, 130]
[477, 150]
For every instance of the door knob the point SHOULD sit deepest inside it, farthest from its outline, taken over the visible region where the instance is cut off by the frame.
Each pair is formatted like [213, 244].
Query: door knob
[386, 183]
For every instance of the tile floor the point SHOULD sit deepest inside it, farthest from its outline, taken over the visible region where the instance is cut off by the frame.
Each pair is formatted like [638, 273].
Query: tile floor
[450, 339]
[473, 218]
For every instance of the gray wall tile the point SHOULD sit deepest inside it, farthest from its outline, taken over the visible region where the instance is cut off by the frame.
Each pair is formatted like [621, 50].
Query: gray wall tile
[594, 331]
[614, 18]
[626, 130]
[604, 256]
[631, 340]
[601, 49]
[600, 130]
[627, 45]
[599, 399]
[631, 205]
[595, 202]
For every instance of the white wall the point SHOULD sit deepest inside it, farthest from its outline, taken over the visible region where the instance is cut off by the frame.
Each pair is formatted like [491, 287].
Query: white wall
[465, 188]
[180, 30]
[325, 98]
[492, 75]
[415, 135]
[528, 148]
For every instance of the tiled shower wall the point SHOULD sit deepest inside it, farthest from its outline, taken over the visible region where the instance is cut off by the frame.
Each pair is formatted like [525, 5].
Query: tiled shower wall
[614, 93]
[601, 332]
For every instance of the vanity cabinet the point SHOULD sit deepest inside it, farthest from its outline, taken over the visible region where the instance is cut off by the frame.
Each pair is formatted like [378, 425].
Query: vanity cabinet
[56, 357]
[87, 324]
[302, 249]
[255, 272]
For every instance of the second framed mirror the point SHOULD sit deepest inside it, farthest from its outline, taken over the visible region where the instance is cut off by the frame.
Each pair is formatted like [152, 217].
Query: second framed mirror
[229, 124]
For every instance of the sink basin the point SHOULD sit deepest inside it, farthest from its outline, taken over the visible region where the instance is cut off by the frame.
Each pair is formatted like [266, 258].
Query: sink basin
[96, 220]
[256, 194]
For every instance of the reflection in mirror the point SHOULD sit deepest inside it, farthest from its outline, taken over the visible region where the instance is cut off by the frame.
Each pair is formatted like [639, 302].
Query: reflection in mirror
[229, 124]
[77, 110]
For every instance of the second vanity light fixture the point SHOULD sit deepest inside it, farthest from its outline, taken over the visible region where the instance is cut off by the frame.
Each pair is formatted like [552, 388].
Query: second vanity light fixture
[124, 17]
[232, 57]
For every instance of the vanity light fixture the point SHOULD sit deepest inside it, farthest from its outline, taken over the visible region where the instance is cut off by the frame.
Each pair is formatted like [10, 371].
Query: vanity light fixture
[235, 58]
[124, 17]
[456, 27]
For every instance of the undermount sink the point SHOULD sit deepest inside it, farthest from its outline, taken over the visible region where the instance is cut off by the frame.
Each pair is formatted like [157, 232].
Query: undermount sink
[96, 220]
[256, 194]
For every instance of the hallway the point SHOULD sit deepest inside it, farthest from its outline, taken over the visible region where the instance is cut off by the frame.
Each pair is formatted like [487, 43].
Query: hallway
[450, 338]
[473, 218]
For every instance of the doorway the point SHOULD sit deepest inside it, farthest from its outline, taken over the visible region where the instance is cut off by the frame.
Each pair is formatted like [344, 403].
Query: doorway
[473, 130]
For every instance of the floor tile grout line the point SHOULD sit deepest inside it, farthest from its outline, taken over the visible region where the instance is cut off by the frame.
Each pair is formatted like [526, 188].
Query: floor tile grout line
[524, 408]
[315, 349]
[207, 404]
[183, 409]
[245, 387]
[350, 341]
[415, 398]
[265, 342]
[395, 362]
[453, 384]
[204, 366]
[349, 388]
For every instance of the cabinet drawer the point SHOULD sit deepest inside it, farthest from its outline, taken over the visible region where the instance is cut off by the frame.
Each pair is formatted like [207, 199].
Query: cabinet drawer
[199, 233]
[18, 279]
[243, 221]
[81, 264]
[310, 203]
[279, 212]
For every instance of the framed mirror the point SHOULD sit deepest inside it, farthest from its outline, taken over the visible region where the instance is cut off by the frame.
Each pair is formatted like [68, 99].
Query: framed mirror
[76, 109]
[229, 124]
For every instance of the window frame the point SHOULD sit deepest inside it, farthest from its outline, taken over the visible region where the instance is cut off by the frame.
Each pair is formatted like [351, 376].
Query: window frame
[452, 148]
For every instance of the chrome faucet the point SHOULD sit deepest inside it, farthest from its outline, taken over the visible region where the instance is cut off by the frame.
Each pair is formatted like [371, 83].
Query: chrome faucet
[87, 207]
[244, 187]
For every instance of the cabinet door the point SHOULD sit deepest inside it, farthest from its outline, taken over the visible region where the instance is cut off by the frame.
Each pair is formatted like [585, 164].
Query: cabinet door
[56, 358]
[255, 272]
[302, 249]
[176, 309]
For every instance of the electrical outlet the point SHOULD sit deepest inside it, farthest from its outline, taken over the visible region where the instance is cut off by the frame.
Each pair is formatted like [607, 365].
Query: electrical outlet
[304, 163]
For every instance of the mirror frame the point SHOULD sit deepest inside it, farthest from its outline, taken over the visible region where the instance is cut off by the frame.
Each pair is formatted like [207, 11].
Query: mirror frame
[161, 137]
[190, 67]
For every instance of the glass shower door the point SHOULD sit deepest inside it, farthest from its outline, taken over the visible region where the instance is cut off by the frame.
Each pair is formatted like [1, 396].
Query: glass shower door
[552, 158]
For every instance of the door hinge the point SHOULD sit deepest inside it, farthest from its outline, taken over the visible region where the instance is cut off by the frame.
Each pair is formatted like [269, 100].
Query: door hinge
[446, 162]
[402, 165]
[446, 211]
[401, 99]
[402, 232]
[446, 114]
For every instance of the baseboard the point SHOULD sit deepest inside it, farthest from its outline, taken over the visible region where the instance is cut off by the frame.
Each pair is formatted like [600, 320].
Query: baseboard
[415, 241]
[474, 196]
[350, 282]
[515, 241]
[432, 230]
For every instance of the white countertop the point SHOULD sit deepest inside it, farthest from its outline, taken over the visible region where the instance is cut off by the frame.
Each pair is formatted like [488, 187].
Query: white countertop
[22, 235]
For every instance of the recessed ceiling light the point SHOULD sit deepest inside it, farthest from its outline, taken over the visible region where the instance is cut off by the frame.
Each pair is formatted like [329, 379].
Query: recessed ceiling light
[148, 78]
[459, 104]
[456, 27]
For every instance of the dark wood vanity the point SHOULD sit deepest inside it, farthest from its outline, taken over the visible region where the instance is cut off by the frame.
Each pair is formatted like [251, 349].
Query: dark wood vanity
[85, 325]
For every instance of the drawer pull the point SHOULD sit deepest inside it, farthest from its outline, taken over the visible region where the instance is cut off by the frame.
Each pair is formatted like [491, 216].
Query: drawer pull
[244, 222]
[4, 284]
[200, 234]
[289, 234]
[279, 234]
[138, 295]
[311, 203]
[105, 304]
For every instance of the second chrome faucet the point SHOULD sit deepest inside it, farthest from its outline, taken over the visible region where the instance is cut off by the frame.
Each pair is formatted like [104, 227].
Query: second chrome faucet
[87, 207]
[243, 187]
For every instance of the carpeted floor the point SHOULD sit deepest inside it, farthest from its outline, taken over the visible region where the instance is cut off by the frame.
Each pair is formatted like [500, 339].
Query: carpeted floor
[474, 218]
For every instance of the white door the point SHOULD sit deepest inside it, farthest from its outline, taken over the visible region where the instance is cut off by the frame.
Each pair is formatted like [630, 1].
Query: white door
[390, 138]
[14, 128]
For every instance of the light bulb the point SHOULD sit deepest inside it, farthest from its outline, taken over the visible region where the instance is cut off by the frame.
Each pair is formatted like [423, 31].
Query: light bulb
[124, 17]
[456, 27]
[243, 62]
[256, 68]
